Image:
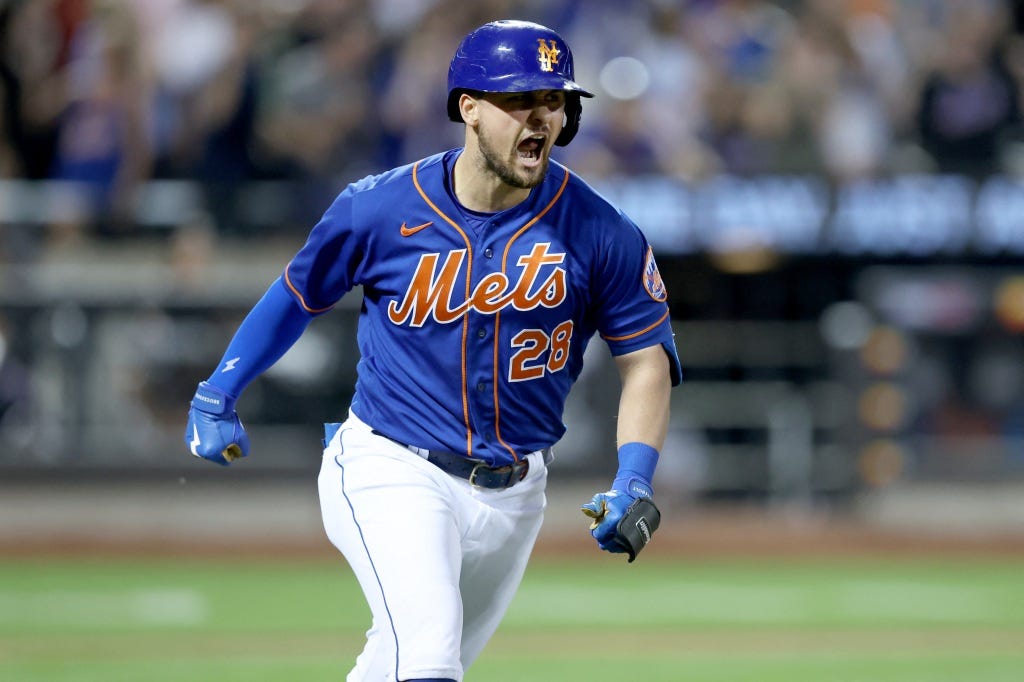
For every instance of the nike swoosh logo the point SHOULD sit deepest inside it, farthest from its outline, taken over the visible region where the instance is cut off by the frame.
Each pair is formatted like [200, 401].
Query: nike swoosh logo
[195, 441]
[409, 231]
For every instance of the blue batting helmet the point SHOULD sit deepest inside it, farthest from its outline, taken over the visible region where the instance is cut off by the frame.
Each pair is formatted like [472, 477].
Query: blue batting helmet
[515, 56]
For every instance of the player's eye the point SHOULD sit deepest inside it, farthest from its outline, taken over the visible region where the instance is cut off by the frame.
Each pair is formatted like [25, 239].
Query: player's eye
[530, 100]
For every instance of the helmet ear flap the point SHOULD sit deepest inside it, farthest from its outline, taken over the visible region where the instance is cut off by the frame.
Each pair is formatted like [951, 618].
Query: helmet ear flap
[573, 113]
[454, 114]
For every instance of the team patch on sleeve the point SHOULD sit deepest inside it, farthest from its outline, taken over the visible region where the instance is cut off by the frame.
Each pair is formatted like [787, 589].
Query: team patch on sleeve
[652, 278]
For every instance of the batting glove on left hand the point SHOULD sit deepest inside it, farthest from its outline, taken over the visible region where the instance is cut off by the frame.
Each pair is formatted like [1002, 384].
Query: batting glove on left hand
[214, 431]
[625, 517]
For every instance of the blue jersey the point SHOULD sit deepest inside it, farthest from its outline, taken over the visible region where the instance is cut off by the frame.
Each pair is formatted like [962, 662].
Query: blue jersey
[473, 326]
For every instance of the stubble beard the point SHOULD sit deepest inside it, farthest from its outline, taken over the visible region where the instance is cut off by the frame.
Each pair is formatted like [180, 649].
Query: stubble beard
[503, 169]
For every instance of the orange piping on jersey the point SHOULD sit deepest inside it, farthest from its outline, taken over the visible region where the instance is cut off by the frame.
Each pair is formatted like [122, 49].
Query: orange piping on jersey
[639, 333]
[302, 301]
[497, 316]
[465, 318]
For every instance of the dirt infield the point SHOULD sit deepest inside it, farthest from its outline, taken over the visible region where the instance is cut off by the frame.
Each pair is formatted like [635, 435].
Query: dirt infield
[717, 534]
[174, 517]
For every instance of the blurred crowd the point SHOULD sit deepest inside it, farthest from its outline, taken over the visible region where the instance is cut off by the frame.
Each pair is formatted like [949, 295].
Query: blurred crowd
[106, 99]
[112, 93]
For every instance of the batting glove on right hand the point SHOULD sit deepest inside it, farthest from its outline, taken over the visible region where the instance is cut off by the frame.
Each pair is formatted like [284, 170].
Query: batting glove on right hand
[214, 431]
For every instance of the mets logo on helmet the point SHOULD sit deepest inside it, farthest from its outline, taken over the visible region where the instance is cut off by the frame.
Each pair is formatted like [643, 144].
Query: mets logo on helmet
[652, 278]
[547, 54]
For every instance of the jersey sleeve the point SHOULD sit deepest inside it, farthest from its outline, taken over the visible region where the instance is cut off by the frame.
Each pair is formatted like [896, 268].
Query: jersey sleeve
[328, 265]
[632, 311]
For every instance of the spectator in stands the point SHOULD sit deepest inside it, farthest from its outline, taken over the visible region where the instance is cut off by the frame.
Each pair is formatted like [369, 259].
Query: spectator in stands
[35, 44]
[415, 87]
[318, 113]
[653, 85]
[103, 141]
[677, 94]
[216, 101]
[750, 123]
[837, 105]
[741, 39]
[227, 91]
[618, 144]
[969, 100]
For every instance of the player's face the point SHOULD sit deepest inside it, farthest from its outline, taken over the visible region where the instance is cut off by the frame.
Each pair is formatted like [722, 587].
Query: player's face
[516, 133]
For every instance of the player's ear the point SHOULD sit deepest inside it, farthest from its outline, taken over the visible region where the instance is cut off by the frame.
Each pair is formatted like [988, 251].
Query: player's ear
[469, 107]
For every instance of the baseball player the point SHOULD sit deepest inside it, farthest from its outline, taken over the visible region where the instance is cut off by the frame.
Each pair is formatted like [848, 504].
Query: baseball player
[485, 271]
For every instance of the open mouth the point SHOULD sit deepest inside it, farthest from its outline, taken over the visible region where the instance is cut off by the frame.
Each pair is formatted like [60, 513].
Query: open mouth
[529, 150]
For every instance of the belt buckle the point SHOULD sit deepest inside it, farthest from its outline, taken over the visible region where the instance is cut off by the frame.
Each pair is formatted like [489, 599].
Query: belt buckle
[510, 469]
[472, 474]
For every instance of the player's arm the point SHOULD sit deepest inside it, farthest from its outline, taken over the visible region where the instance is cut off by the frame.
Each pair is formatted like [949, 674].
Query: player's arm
[624, 517]
[274, 324]
[633, 318]
[644, 400]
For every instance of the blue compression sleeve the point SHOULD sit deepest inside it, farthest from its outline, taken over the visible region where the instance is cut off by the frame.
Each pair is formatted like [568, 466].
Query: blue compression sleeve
[273, 325]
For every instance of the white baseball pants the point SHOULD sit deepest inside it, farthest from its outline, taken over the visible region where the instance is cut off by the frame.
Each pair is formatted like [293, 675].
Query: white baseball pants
[438, 560]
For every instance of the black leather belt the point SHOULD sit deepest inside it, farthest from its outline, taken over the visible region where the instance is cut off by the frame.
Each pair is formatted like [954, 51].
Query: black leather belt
[476, 471]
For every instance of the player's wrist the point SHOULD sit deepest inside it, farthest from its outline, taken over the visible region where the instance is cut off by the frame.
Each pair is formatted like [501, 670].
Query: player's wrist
[637, 462]
[212, 400]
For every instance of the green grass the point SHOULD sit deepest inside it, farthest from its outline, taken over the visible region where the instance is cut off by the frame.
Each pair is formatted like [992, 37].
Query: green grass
[736, 621]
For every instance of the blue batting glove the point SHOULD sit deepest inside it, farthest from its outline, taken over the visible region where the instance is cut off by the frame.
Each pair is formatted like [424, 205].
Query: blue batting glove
[633, 480]
[214, 431]
[606, 510]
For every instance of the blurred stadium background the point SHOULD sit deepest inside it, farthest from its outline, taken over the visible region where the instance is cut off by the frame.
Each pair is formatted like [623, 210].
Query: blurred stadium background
[833, 190]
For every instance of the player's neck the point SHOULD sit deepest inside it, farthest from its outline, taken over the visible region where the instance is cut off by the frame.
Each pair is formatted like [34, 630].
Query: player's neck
[479, 189]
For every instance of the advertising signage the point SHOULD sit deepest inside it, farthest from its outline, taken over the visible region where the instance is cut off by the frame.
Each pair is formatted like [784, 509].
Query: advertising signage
[917, 216]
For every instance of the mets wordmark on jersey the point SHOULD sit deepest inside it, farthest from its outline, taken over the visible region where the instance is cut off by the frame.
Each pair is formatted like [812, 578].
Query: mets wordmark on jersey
[474, 325]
